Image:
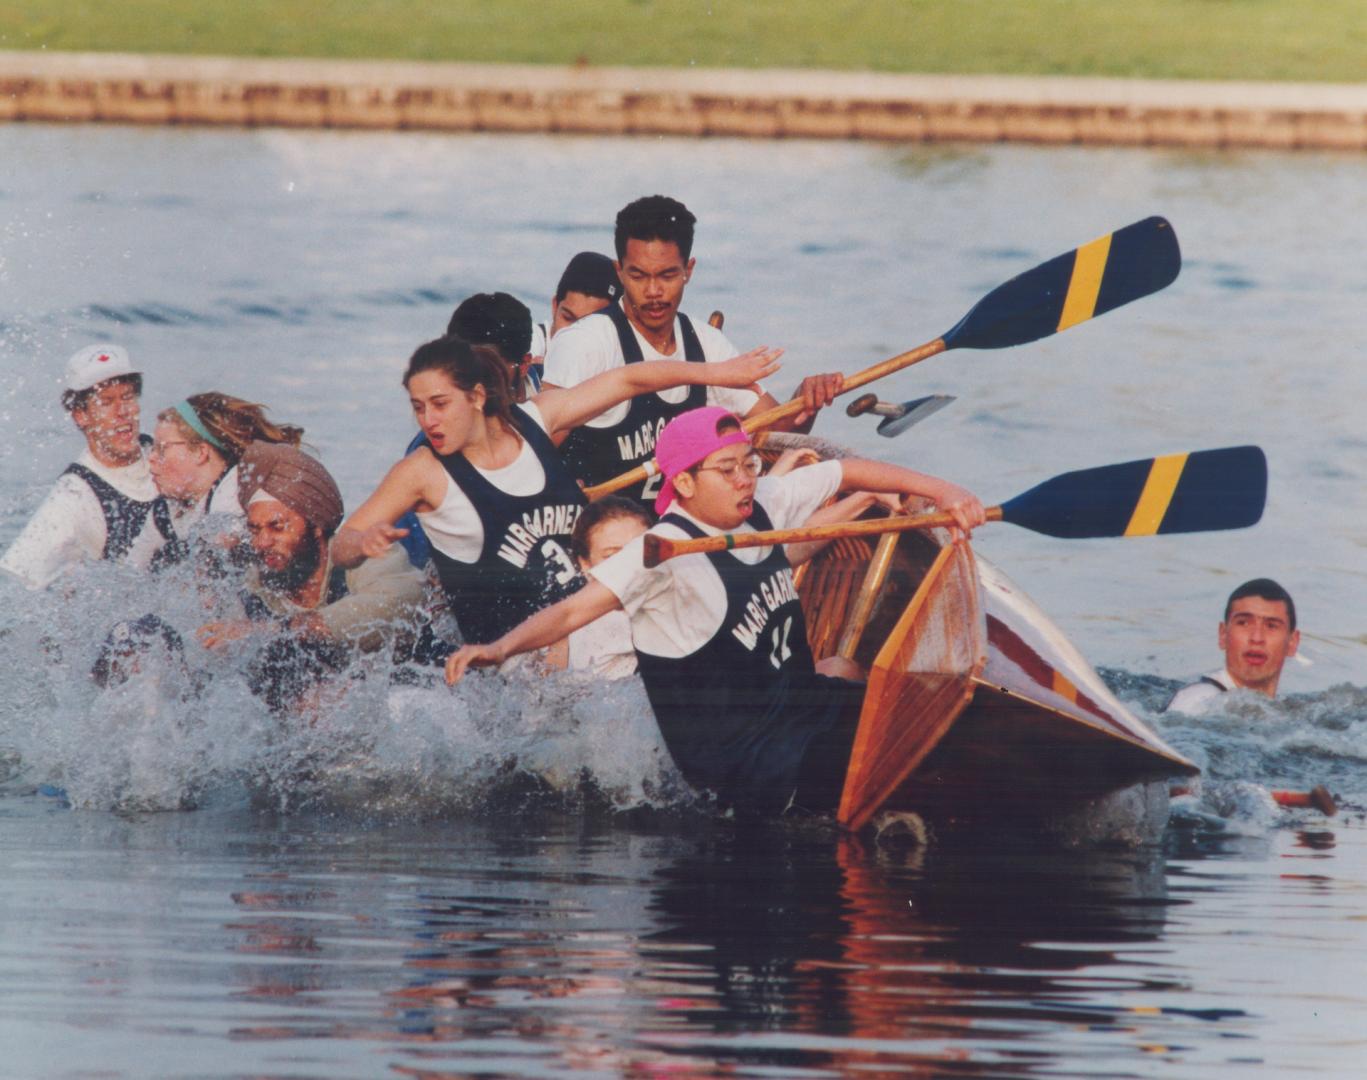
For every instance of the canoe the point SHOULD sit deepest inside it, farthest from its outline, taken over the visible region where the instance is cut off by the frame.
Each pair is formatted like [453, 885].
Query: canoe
[977, 704]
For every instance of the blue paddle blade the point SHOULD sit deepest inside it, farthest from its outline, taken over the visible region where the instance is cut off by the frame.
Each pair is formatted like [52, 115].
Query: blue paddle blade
[1180, 493]
[1079, 285]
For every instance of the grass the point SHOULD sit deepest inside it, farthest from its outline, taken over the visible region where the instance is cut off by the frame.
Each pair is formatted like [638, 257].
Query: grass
[1300, 40]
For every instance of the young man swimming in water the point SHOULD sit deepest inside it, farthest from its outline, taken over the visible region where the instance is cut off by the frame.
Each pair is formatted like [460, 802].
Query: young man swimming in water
[1257, 636]
[721, 641]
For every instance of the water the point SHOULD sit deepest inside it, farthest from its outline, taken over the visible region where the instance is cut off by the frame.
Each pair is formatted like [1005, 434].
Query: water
[387, 892]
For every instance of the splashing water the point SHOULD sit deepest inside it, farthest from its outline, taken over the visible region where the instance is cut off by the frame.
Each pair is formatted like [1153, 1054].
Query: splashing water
[184, 730]
[1247, 745]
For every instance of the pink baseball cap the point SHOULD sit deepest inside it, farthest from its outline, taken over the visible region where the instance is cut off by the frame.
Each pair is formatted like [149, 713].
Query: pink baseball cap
[687, 440]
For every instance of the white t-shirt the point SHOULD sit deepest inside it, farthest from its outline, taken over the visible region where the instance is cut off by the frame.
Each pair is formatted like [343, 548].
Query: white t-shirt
[603, 648]
[677, 607]
[1199, 696]
[454, 528]
[69, 525]
[221, 500]
[590, 346]
[541, 339]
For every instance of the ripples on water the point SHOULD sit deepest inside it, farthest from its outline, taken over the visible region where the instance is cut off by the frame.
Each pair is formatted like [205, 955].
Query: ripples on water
[511, 879]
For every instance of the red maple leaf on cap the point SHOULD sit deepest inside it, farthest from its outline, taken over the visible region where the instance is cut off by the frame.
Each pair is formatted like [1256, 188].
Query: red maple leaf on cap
[101, 358]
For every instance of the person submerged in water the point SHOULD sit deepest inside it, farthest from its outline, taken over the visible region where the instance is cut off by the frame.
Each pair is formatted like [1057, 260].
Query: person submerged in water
[497, 504]
[721, 641]
[105, 505]
[293, 508]
[1257, 635]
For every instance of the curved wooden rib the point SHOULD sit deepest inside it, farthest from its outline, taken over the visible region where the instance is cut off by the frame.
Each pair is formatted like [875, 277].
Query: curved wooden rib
[921, 681]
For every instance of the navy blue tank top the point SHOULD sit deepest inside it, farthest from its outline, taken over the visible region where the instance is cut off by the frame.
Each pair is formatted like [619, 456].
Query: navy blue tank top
[594, 454]
[124, 517]
[525, 563]
[739, 714]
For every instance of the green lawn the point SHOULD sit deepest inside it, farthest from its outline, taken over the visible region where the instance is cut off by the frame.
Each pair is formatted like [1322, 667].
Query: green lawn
[1312, 40]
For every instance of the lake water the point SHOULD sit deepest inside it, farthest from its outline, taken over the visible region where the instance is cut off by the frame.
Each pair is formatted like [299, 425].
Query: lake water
[381, 896]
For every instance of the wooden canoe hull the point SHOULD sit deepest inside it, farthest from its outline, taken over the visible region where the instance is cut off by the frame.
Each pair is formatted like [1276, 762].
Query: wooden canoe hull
[977, 704]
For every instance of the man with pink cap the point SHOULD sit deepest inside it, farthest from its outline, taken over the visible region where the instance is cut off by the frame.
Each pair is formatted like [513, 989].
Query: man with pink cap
[105, 505]
[745, 709]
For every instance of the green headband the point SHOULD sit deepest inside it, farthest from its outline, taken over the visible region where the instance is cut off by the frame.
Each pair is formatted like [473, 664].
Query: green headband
[186, 411]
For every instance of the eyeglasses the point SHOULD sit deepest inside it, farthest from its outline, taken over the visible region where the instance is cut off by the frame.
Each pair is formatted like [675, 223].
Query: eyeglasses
[749, 465]
[159, 448]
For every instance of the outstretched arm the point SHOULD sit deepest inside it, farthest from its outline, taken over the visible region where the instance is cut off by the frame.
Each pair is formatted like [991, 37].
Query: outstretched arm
[563, 409]
[369, 531]
[869, 475]
[544, 628]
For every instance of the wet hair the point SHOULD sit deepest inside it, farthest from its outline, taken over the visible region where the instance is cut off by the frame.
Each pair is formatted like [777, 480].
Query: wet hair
[79, 399]
[1264, 589]
[467, 366]
[235, 423]
[495, 319]
[655, 217]
[609, 508]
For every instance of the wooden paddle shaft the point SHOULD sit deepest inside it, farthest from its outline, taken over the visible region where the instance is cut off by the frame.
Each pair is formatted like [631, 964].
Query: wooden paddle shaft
[1317, 797]
[659, 548]
[782, 412]
[868, 594]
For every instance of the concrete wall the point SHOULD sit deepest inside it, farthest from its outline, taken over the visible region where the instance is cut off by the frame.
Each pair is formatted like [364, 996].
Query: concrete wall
[123, 88]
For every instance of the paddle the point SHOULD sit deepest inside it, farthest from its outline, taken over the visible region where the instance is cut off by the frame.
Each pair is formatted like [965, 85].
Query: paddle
[1197, 492]
[1317, 797]
[1078, 285]
[897, 418]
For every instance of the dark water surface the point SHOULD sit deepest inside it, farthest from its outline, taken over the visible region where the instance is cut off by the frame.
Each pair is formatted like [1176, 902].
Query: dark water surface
[389, 894]
[230, 944]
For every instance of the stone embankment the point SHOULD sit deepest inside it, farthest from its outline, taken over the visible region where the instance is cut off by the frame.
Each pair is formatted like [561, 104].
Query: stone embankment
[191, 90]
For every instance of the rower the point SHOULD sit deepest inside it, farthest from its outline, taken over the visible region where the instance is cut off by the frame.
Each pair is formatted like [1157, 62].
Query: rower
[196, 447]
[722, 644]
[504, 323]
[105, 505]
[293, 508]
[588, 284]
[488, 486]
[1257, 636]
[603, 647]
[654, 243]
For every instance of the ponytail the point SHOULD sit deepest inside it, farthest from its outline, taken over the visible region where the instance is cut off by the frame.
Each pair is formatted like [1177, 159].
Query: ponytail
[229, 424]
[467, 366]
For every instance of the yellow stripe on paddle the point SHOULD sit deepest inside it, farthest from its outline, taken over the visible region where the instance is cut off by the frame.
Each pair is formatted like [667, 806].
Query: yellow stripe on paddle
[1157, 494]
[1085, 284]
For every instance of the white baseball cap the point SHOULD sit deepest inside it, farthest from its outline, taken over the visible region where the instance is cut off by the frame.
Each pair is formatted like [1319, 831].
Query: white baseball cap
[96, 364]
